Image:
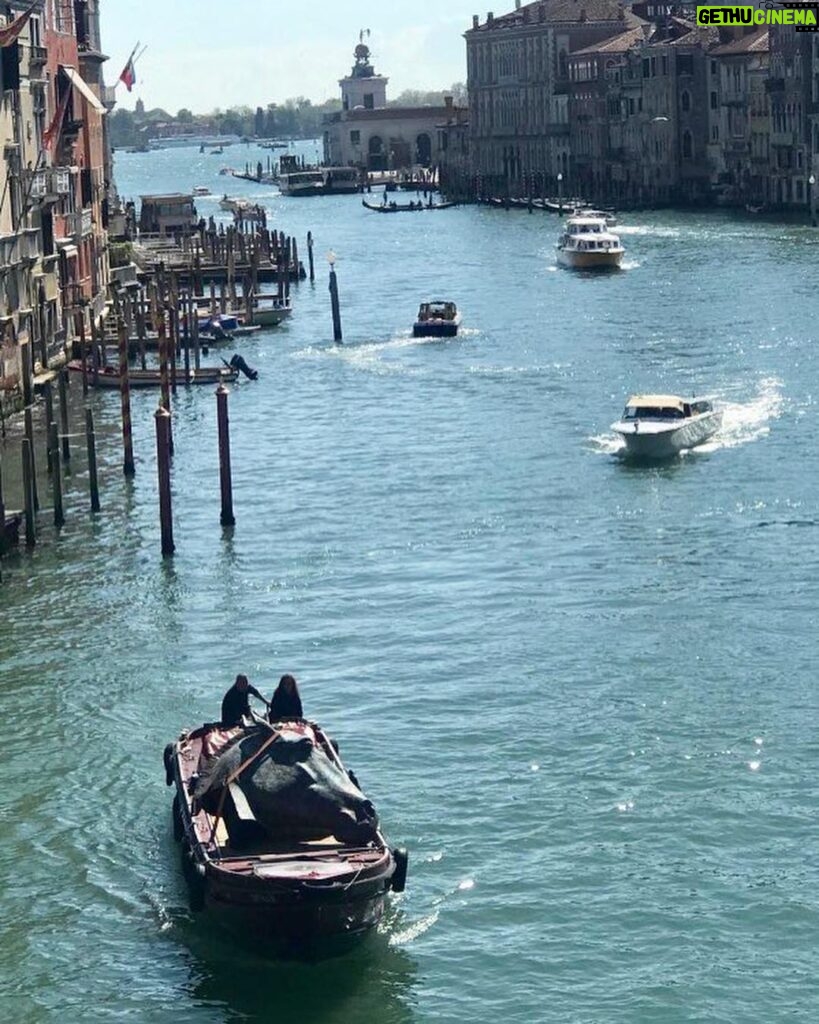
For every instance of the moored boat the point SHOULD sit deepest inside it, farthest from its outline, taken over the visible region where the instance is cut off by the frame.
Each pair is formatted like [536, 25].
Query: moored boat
[270, 310]
[587, 244]
[277, 837]
[109, 376]
[661, 426]
[437, 320]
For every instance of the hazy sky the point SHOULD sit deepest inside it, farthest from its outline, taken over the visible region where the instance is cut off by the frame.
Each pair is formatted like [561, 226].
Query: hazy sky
[204, 54]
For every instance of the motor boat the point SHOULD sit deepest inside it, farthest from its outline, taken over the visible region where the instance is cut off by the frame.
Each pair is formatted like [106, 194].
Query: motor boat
[201, 190]
[587, 244]
[437, 320]
[661, 426]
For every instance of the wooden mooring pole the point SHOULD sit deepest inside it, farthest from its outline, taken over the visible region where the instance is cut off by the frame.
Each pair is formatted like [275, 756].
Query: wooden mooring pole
[28, 498]
[310, 256]
[163, 465]
[91, 443]
[227, 517]
[337, 337]
[62, 384]
[29, 428]
[2, 513]
[56, 477]
[53, 458]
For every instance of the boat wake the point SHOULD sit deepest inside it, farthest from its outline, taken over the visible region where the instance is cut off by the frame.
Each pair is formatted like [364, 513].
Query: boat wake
[379, 356]
[743, 422]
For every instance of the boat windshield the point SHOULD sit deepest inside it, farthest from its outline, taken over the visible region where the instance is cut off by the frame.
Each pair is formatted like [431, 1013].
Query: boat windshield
[648, 412]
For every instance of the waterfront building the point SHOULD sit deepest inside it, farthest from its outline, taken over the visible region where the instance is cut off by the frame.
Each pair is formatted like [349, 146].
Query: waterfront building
[518, 82]
[28, 270]
[56, 174]
[791, 86]
[368, 134]
[740, 131]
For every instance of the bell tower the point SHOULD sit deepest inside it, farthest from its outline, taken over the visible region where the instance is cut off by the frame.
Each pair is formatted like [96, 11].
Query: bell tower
[363, 87]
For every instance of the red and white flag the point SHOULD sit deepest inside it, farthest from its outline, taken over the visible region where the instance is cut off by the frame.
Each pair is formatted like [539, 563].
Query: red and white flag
[10, 33]
[128, 76]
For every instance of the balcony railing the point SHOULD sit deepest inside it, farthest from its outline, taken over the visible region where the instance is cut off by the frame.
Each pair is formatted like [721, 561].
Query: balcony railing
[80, 224]
[19, 248]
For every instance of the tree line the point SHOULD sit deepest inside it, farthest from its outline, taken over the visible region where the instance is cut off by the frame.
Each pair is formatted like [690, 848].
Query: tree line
[297, 118]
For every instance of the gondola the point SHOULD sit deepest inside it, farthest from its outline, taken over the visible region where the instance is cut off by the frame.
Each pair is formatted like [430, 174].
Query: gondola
[405, 207]
[304, 872]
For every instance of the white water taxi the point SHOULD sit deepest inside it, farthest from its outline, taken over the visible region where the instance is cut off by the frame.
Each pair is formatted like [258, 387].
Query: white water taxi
[587, 244]
[660, 426]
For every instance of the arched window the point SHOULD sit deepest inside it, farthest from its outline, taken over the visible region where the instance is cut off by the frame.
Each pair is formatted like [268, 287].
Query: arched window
[687, 146]
[685, 101]
[562, 65]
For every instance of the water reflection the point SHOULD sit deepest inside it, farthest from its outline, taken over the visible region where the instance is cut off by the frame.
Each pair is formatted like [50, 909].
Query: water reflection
[373, 982]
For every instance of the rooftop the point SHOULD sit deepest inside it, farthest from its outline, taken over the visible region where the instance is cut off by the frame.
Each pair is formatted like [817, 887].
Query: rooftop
[561, 12]
[754, 42]
[617, 44]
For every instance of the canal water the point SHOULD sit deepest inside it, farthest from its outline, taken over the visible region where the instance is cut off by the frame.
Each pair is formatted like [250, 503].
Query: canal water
[581, 693]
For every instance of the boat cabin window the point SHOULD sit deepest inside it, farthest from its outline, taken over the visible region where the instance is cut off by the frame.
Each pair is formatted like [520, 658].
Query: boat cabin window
[698, 408]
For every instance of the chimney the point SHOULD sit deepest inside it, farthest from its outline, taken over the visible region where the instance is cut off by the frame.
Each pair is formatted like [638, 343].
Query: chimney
[517, 5]
[475, 21]
[448, 102]
[541, 12]
[526, 15]
[582, 14]
[490, 20]
[621, 13]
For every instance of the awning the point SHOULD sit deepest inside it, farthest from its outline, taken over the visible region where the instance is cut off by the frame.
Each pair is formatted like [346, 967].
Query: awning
[69, 251]
[82, 86]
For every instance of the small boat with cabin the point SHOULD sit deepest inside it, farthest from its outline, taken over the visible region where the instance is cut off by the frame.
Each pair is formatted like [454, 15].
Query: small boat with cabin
[661, 426]
[438, 319]
[587, 244]
[277, 838]
[201, 190]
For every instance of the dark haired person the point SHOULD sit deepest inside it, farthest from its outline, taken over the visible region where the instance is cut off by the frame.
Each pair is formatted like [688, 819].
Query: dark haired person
[286, 702]
[236, 704]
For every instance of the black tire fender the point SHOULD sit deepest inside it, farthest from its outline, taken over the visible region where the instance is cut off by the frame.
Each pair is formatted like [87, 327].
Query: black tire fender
[167, 757]
[399, 876]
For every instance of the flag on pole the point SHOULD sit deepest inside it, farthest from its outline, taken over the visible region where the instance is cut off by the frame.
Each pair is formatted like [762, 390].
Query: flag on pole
[128, 76]
[53, 131]
[10, 33]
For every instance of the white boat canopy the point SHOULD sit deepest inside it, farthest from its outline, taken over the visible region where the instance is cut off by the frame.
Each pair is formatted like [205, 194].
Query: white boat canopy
[656, 401]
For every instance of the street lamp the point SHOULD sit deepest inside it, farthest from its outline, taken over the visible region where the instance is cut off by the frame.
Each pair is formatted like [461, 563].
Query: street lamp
[812, 195]
[560, 193]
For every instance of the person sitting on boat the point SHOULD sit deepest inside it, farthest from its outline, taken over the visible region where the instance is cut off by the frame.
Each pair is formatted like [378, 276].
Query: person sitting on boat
[286, 702]
[236, 702]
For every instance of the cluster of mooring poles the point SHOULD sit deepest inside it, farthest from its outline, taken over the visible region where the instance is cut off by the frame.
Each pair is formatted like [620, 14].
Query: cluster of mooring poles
[156, 307]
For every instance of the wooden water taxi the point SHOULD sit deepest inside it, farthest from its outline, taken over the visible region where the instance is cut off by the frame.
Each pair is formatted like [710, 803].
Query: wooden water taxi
[661, 426]
[277, 838]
